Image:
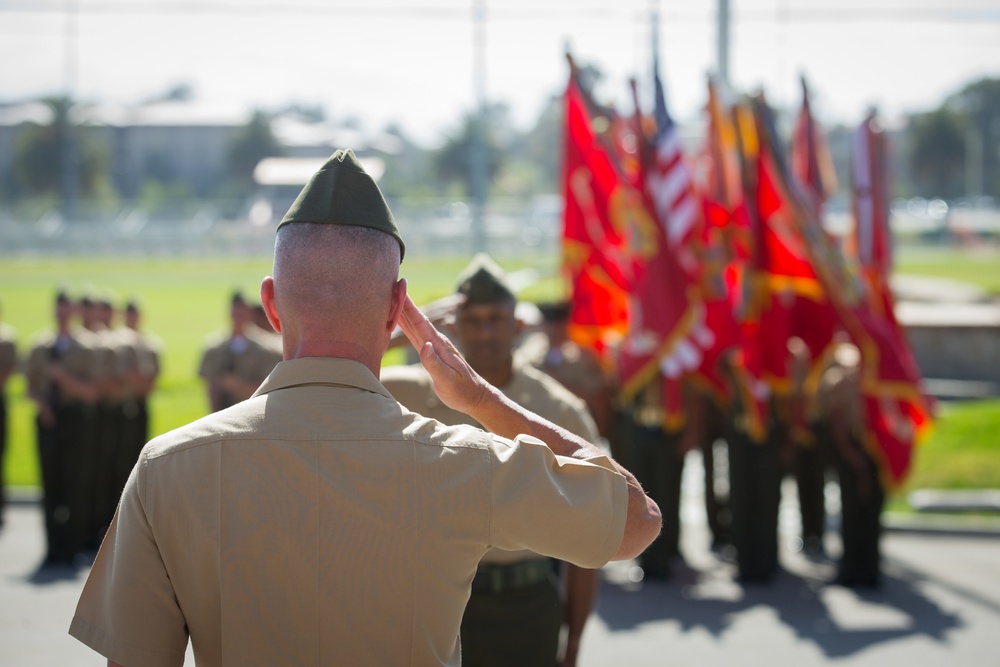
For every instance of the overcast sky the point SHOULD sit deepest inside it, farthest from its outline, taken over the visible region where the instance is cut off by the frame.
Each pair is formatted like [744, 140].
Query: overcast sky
[414, 63]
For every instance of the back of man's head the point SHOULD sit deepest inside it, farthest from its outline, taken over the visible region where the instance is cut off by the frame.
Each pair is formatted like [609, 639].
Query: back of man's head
[334, 281]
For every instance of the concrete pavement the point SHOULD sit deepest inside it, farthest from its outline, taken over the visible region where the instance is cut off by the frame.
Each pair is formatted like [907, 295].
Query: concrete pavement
[940, 605]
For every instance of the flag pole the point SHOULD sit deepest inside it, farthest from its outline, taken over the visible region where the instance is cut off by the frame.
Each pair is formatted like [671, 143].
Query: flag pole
[722, 47]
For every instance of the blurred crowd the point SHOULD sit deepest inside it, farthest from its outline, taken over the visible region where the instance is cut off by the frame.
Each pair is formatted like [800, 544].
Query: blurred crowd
[90, 380]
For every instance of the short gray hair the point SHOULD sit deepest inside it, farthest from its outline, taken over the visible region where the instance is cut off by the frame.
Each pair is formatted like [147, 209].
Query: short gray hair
[322, 270]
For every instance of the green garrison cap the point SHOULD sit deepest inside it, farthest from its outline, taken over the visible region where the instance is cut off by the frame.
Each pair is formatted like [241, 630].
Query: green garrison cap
[483, 281]
[342, 193]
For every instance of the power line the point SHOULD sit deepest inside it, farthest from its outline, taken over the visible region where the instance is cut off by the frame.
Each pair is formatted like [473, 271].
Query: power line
[949, 14]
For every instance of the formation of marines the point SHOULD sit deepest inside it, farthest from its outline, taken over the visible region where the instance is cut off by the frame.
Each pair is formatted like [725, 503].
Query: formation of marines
[810, 441]
[90, 380]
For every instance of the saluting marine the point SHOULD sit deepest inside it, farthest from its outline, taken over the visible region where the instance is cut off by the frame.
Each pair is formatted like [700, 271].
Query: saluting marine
[515, 612]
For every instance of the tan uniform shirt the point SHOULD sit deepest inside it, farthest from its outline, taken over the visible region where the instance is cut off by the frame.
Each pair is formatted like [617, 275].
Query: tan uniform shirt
[248, 357]
[115, 358]
[75, 353]
[140, 353]
[529, 387]
[321, 523]
[840, 390]
[574, 368]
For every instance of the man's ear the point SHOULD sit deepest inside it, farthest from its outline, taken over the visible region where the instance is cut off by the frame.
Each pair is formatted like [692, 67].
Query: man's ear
[267, 299]
[396, 307]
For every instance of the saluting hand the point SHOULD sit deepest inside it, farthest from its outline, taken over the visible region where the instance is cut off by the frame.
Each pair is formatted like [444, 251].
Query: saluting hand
[455, 383]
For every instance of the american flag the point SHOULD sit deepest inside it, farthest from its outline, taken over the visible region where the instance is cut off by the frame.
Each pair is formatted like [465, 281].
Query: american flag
[669, 180]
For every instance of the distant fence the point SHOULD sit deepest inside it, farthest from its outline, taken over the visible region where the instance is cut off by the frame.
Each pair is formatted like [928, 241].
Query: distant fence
[511, 227]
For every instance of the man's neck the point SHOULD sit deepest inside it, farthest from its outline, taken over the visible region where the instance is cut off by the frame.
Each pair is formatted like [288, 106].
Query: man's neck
[333, 349]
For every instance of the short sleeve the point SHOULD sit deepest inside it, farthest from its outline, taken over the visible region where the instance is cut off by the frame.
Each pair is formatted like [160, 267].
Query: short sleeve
[128, 611]
[566, 508]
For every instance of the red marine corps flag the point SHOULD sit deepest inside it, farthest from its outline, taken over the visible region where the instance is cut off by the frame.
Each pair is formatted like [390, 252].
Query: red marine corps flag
[896, 410]
[813, 171]
[723, 242]
[783, 295]
[598, 201]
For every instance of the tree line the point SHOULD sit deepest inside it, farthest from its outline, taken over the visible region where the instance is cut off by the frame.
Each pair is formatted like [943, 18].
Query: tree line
[949, 152]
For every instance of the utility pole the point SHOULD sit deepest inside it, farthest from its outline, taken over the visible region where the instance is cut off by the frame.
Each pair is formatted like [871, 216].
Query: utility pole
[973, 159]
[68, 177]
[477, 145]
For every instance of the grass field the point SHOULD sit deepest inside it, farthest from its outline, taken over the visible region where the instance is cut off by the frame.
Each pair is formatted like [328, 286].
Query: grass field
[185, 300]
[981, 268]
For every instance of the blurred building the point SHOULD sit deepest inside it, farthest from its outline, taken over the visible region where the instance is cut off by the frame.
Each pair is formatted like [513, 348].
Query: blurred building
[178, 142]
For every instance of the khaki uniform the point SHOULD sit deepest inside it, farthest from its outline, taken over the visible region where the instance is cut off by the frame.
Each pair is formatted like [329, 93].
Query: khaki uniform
[141, 356]
[515, 614]
[321, 523]
[251, 358]
[8, 365]
[66, 447]
[579, 370]
[113, 357]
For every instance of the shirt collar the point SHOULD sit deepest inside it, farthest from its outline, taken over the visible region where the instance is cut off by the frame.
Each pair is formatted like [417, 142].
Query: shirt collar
[322, 370]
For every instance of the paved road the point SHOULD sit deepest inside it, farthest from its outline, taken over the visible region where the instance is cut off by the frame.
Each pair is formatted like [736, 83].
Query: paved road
[940, 605]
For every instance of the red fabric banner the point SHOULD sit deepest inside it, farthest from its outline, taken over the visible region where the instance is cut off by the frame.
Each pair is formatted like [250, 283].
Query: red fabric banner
[785, 298]
[666, 316]
[895, 411]
[594, 255]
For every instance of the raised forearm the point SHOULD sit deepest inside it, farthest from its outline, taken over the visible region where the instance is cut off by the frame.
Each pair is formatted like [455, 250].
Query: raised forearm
[462, 389]
[499, 415]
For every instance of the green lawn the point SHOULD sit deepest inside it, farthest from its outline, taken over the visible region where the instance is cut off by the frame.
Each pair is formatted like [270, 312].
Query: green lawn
[981, 268]
[962, 451]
